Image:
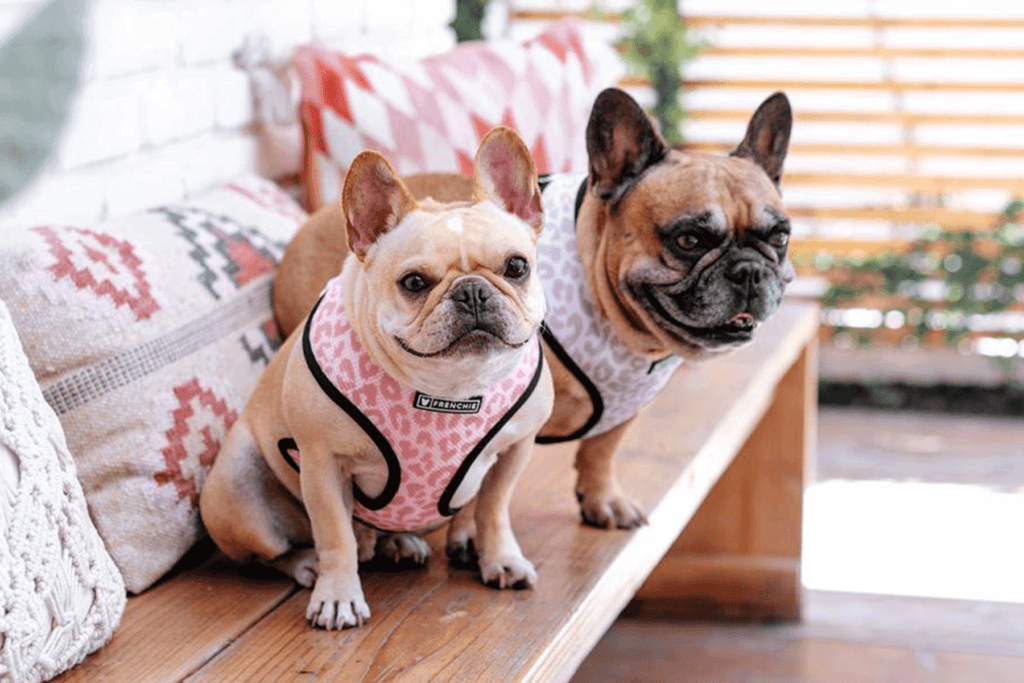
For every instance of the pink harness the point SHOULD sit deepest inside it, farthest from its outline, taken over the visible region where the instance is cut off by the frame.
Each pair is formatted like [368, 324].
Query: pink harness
[429, 443]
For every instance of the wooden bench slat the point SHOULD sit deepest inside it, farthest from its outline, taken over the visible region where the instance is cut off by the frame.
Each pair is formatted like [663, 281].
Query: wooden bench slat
[186, 621]
[441, 624]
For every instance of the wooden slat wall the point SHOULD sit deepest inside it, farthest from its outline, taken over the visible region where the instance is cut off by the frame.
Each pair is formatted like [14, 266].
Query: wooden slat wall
[900, 122]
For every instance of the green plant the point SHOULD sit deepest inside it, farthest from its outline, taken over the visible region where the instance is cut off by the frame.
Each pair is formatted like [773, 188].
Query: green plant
[469, 17]
[945, 281]
[658, 43]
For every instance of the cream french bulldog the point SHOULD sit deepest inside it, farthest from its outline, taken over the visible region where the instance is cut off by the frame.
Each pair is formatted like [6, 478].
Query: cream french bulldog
[416, 385]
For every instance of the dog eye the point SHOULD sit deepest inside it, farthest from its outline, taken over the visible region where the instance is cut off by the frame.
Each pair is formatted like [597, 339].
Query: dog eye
[516, 268]
[414, 282]
[687, 241]
[779, 240]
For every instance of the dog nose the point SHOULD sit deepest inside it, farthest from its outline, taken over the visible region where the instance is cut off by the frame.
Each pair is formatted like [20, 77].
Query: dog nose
[745, 273]
[471, 295]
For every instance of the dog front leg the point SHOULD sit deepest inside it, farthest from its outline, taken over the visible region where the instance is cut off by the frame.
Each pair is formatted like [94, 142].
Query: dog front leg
[502, 563]
[602, 503]
[337, 600]
[461, 544]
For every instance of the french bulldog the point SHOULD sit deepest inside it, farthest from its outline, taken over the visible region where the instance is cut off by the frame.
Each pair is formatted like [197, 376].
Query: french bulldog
[416, 383]
[654, 256]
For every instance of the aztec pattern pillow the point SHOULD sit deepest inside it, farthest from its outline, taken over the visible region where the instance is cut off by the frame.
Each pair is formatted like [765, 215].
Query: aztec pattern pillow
[147, 335]
[430, 114]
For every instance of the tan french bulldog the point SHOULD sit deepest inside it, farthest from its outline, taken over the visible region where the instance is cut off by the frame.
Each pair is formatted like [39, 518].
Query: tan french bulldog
[654, 256]
[416, 383]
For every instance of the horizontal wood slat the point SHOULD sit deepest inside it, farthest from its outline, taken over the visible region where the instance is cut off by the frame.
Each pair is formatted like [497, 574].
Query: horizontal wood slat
[873, 52]
[907, 118]
[856, 22]
[884, 86]
[903, 150]
[803, 247]
[918, 183]
[822, 22]
[949, 219]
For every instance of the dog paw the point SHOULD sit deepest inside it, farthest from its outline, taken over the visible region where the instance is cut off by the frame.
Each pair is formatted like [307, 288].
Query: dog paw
[366, 541]
[462, 553]
[334, 608]
[511, 571]
[301, 565]
[404, 549]
[610, 512]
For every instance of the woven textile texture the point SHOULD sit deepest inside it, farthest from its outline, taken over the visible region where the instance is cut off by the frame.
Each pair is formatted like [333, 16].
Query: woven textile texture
[147, 335]
[61, 597]
[429, 115]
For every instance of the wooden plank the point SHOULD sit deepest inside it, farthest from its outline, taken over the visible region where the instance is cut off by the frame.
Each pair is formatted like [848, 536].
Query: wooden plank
[815, 21]
[812, 246]
[771, 85]
[721, 587]
[740, 554]
[949, 219]
[870, 52]
[919, 183]
[911, 150]
[855, 22]
[441, 624]
[177, 626]
[906, 118]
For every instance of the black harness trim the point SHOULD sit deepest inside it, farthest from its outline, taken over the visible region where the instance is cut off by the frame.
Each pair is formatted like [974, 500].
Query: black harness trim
[444, 503]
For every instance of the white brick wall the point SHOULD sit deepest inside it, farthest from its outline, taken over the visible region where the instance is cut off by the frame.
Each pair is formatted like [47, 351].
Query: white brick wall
[162, 112]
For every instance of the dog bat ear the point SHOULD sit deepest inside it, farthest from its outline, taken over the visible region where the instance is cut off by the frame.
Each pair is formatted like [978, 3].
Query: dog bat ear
[621, 144]
[373, 201]
[504, 173]
[767, 138]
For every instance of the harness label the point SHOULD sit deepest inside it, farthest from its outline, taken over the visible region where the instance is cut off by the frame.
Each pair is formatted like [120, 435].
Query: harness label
[466, 406]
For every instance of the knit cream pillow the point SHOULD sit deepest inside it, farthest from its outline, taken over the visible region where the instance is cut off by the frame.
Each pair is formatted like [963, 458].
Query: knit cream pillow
[61, 597]
[147, 335]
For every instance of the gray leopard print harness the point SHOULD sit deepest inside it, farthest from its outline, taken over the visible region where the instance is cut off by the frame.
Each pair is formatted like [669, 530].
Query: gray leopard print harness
[618, 380]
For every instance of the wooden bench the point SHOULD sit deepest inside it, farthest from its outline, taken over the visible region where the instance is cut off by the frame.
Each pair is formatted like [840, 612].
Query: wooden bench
[750, 416]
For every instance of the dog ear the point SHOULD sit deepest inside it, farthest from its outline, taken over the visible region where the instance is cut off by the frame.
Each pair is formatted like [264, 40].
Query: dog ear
[373, 200]
[621, 144]
[767, 137]
[503, 172]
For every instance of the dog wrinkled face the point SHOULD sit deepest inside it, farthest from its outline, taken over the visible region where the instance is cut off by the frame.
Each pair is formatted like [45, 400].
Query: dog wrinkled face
[457, 287]
[444, 294]
[713, 260]
[695, 244]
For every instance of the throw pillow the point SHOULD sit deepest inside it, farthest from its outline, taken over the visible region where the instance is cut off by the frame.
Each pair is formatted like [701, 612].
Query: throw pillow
[61, 597]
[430, 114]
[147, 335]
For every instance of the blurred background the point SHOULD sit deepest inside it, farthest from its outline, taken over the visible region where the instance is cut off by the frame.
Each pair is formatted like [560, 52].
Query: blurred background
[904, 181]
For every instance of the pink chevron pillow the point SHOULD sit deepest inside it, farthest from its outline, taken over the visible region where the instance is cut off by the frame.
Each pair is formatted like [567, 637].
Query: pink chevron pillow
[430, 114]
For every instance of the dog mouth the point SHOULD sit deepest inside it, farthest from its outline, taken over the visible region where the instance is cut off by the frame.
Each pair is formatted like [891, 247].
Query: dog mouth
[737, 330]
[473, 342]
